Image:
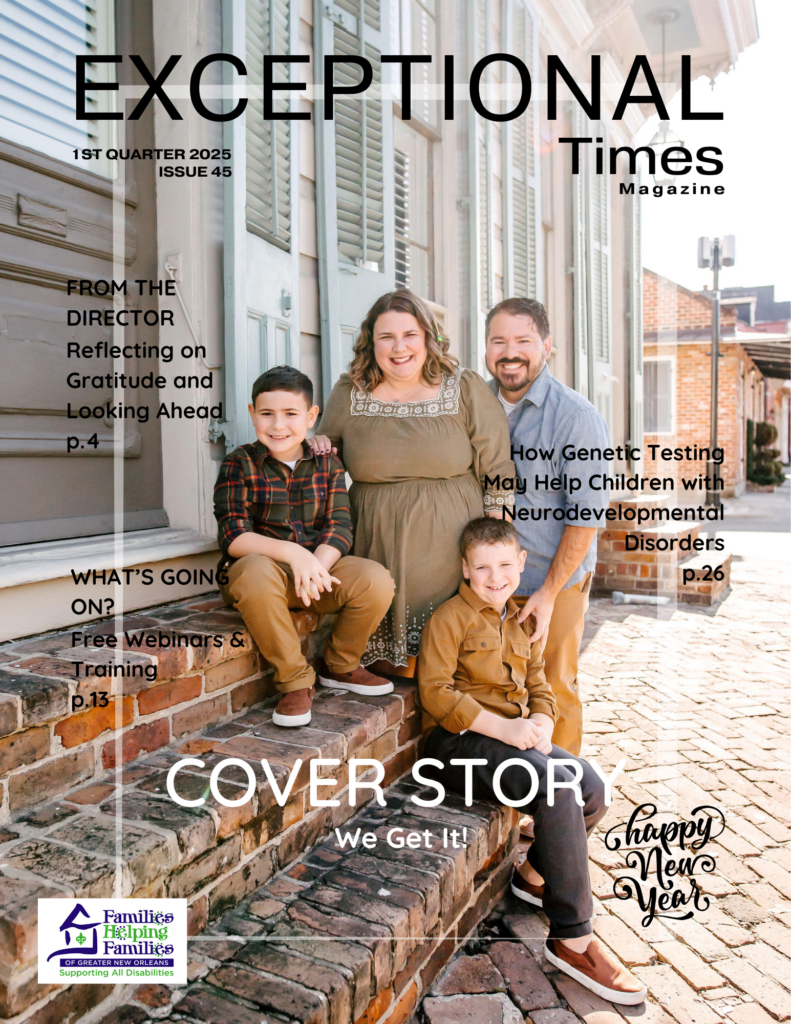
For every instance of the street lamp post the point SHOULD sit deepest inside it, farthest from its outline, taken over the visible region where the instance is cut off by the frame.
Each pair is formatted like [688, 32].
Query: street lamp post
[715, 254]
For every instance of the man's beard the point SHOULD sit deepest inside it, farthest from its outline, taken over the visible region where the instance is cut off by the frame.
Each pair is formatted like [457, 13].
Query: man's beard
[522, 382]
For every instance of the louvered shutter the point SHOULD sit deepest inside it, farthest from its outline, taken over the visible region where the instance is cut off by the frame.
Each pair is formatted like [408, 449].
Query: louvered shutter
[268, 142]
[261, 253]
[354, 178]
[38, 43]
[522, 184]
[599, 277]
[579, 217]
[636, 383]
[481, 172]
[402, 218]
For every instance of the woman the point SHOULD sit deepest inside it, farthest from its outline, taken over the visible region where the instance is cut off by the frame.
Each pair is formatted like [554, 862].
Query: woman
[419, 436]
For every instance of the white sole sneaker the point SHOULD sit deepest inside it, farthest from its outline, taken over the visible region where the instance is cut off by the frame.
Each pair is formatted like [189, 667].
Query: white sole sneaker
[613, 996]
[373, 691]
[289, 721]
[522, 895]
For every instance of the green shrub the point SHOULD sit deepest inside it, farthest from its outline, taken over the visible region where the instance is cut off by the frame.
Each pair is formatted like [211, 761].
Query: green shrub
[765, 434]
[763, 466]
[750, 448]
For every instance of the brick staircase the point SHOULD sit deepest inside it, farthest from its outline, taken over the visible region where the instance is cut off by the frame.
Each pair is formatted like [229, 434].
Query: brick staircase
[658, 572]
[348, 935]
[65, 776]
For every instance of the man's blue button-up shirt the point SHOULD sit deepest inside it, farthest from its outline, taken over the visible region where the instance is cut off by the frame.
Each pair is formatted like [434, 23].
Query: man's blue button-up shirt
[549, 419]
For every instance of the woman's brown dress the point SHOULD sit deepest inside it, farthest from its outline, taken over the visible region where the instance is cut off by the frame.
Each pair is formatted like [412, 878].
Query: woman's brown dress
[418, 472]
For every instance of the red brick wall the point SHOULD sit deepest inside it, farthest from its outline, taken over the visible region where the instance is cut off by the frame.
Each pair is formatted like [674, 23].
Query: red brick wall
[667, 306]
[692, 412]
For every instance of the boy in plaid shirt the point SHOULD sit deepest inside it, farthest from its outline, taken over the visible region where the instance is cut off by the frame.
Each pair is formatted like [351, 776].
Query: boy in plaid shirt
[285, 532]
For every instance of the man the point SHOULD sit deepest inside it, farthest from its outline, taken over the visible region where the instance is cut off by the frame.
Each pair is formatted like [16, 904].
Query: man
[545, 415]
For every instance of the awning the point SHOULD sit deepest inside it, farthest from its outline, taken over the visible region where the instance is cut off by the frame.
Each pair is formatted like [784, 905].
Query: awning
[773, 358]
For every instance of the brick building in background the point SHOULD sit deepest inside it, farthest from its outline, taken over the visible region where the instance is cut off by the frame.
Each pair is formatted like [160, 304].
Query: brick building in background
[677, 353]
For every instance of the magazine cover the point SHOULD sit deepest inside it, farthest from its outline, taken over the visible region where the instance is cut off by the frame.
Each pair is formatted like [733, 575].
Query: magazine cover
[394, 521]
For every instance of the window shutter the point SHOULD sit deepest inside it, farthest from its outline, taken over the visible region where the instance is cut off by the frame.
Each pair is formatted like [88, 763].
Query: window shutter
[38, 43]
[579, 205]
[659, 396]
[261, 265]
[599, 275]
[355, 177]
[268, 211]
[636, 320]
[522, 185]
[402, 211]
[480, 171]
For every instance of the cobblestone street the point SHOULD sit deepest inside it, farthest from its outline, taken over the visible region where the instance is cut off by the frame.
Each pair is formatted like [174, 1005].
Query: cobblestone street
[696, 700]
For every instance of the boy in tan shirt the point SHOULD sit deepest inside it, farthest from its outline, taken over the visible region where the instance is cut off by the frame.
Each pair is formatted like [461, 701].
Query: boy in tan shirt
[485, 697]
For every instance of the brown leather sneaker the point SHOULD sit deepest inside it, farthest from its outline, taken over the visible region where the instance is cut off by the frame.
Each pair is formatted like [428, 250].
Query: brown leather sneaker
[526, 891]
[294, 708]
[598, 971]
[359, 681]
[527, 829]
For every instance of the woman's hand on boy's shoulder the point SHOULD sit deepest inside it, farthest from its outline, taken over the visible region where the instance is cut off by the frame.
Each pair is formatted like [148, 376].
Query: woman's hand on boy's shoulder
[320, 444]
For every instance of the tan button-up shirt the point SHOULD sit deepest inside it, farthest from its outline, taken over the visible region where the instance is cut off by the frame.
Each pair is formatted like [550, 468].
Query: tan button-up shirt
[470, 660]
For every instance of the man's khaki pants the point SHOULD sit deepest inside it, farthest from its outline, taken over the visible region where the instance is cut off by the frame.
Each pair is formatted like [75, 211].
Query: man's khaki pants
[561, 656]
[263, 591]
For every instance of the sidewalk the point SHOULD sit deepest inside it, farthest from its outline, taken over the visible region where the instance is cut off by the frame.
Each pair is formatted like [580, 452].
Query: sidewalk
[696, 700]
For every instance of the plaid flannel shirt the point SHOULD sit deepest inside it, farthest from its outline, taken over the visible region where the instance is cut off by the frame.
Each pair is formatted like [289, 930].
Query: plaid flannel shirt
[257, 493]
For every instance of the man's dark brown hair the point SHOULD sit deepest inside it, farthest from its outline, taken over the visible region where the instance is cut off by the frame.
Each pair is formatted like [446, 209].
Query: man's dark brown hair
[487, 531]
[522, 307]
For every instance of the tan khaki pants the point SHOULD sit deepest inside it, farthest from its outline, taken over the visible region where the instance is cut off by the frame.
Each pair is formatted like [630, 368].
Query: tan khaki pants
[561, 656]
[263, 591]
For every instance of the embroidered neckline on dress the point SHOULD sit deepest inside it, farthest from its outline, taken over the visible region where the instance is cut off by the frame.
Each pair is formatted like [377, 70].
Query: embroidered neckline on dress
[446, 403]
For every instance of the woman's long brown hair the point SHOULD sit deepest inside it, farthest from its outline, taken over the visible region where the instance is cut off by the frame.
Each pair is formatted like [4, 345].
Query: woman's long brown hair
[364, 369]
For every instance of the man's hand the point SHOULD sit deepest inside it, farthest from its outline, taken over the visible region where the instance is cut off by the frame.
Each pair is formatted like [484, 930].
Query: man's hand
[321, 445]
[525, 733]
[539, 605]
[310, 576]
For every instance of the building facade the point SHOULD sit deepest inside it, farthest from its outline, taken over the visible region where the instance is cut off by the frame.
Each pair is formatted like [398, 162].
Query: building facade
[677, 365]
[278, 258]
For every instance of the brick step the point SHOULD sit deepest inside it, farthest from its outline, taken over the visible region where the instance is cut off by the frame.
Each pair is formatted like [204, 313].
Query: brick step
[650, 500]
[349, 935]
[704, 588]
[54, 731]
[62, 791]
[642, 571]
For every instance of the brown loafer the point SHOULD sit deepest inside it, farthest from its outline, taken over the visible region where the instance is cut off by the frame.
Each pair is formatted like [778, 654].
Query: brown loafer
[526, 891]
[293, 708]
[598, 971]
[359, 681]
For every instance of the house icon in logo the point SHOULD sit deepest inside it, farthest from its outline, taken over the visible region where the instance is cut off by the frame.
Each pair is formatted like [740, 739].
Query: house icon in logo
[72, 924]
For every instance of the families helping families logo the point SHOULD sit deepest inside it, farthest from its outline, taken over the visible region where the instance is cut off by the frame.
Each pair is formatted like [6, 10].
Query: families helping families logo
[95, 941]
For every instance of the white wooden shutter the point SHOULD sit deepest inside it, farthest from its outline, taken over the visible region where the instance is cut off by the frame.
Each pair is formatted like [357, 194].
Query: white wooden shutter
[39, 40]
[403, 183]
[636, 383]
[354, 177]
[261, 252]
[480, 171]
[580, 239]
[268, 142]
[522, 165]
[599, 275]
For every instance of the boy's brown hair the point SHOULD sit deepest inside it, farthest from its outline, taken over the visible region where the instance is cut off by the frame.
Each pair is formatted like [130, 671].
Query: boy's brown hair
[487, 531]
